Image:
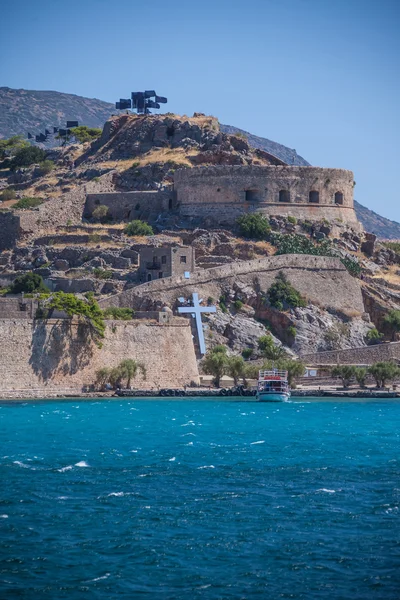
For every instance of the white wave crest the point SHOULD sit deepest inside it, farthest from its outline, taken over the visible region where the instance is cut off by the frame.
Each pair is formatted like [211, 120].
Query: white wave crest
[327, 491]
[82, 463]
[207, 467]
[172, 459]
[3, 516]
[63, 469]
[117, 494]
[21, 464]
[259, 442]
[99, 578]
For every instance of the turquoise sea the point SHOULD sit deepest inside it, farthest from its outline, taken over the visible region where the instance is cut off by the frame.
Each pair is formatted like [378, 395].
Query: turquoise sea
[200, 499]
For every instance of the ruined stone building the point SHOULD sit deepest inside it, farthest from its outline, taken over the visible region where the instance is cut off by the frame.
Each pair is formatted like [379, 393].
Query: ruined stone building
[222, 193]
[157, 263]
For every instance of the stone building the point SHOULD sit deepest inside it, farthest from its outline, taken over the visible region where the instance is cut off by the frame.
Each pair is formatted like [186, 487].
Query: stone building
[223, 193]
[157, 263]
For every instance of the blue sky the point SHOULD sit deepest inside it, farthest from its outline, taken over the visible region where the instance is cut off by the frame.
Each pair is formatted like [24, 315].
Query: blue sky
[320, 76]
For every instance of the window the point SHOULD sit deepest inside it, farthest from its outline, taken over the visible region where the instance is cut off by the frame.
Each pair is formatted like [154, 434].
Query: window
[163, 260]
[338, 198]
[313, 197]
[183, 259]
[155, 260]
[284, 196]
[149, 277]
[170, 204]
[218, 189]
[252, 195]
[160, 275]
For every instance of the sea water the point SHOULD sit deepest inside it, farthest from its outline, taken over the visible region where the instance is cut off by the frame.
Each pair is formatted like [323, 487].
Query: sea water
[200, 499]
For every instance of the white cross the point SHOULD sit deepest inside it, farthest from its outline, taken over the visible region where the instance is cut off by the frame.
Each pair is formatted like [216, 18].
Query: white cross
[196, 311]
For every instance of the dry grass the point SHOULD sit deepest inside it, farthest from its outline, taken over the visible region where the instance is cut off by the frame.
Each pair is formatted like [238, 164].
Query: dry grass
[163, 155]
[391, 275]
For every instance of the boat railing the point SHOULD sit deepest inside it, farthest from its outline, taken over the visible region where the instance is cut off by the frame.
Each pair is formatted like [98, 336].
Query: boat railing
[274, 373]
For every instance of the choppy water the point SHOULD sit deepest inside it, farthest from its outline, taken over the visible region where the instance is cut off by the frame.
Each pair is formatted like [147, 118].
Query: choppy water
[200, 499]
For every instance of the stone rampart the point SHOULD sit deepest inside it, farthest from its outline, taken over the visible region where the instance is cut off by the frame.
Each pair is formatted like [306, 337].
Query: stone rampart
[366, 355]
[323, 280]
[126, 206]
[54, 354]
[225, 192]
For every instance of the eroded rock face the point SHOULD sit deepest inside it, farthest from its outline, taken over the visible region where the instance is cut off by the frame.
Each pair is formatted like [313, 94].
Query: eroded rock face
[318, 330]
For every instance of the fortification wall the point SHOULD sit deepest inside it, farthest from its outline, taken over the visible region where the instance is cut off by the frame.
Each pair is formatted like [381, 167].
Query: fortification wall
[9, 230]
[366, 355]
[55, 355]
[126, 206]
[323, 280]
[225, 192]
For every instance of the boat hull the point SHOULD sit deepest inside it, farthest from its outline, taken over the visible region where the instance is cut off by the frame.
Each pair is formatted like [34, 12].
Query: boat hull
[272, 397]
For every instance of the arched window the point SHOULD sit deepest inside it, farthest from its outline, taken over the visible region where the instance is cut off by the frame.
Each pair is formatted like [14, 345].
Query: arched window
[338, 198]
[313, 197]
[284, 196]
[149, 277]
[252, 195]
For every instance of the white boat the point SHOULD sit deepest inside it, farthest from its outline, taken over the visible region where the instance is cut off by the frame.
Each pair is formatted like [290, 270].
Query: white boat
[273, 386]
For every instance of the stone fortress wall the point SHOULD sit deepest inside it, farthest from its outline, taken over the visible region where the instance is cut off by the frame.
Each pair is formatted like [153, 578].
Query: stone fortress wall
[318, 278]
[367, 355]
[52, 356]
[223, 193]
[126, 206]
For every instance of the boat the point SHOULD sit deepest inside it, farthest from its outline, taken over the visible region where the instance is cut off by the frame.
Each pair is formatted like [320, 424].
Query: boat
[273, 386]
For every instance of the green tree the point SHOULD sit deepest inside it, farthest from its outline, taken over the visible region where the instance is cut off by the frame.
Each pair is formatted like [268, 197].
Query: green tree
[86, 134]
[27, 203]
[215, 363]
[236, 368]
[294, 368]
[268, 349]
[383, 372]
[28, 283]
[138, 227]
[27, 156]
[129, 368]
[45, 167]
[345, 372]
[361, 375]
[254, 226]
[12, 145]
[392, 323]
[102, 376]
[87, 310]
[118, 314]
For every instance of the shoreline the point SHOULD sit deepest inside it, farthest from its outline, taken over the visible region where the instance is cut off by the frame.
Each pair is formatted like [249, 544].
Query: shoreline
[192, 394]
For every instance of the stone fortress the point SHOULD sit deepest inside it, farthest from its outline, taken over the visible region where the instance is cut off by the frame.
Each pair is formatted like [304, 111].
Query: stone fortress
[221, 194]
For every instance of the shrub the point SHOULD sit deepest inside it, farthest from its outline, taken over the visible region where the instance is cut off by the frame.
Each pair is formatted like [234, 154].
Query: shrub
[27, 203]
[238, 304]
[86, 134]
[94, 238]
[292, 220]
[29, 155]
[45, 167]
[291, 330]
[8, 194]
[138, 227]
[392, 322]
[395, 246]
[118, 314]
[28, 283]
[361, 375]
[125, 371]
[373, 336]
[235, 368]
[253, 226]
[247, 353]
[283, 294]
[100, 213]
[100, 273]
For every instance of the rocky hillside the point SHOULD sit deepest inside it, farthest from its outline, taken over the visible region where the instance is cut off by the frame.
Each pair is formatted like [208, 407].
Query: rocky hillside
[288, 155]
[382, 227]
[31, 110]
